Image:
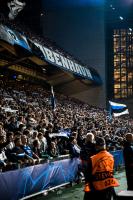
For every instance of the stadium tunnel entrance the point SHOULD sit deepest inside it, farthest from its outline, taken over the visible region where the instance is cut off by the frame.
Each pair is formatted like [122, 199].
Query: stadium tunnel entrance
[28, 60]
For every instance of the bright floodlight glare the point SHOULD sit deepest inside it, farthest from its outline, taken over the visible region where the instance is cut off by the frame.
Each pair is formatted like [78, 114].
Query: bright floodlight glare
[121, 18]
[113, 8]
[130, 29]
[111, 5]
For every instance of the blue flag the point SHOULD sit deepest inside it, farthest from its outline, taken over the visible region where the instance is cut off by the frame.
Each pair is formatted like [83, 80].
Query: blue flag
[53, 103]
[118, 109]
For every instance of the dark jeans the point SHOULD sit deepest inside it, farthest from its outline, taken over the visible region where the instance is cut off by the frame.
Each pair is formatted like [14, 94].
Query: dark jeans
[129, 183]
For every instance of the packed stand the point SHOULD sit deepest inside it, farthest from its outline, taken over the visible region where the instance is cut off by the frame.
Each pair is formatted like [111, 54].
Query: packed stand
[30, 130]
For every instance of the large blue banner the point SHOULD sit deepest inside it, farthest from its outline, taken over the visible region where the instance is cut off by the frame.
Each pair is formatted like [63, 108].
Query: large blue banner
[17, 184]
[20, 183]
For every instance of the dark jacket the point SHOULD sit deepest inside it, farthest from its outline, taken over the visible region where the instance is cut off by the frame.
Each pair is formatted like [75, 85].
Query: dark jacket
[87, 151]
[128, 158]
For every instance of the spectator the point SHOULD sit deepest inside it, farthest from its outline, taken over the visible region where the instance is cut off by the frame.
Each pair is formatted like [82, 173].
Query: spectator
[128, 157]
[74, 149]
[43, 143]
[53, 151]
[36, 148]
[28, 150]
[18, 154]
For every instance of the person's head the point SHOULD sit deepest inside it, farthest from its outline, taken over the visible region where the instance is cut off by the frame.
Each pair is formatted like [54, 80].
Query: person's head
[26, 132]
[36, 144]
[73, 140]
[24, 139]
[35, 134]
[2, 139]
[107, 137]
[129, 137]
[100, 143]
[18, 142]
[13, 119]
[53, 145]
[20, 118]
[10, 136]
[40, 135]
[89, 138]
[21, 127]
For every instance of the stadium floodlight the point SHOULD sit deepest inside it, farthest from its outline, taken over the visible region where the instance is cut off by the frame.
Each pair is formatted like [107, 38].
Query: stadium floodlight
[15, 6]
[121, 18]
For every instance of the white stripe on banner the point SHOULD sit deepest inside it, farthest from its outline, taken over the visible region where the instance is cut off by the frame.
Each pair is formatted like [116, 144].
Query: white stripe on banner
[125, 112]
[117, 105]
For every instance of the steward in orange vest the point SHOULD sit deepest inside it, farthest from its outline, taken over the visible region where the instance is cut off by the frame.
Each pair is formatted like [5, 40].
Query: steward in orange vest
[99, 182]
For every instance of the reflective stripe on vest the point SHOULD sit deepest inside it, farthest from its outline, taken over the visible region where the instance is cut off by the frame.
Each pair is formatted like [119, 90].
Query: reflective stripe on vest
[102, 171]
[87, 188]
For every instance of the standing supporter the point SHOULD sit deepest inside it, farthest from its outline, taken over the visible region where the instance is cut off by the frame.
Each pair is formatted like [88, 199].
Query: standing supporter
[12, 124]
[3, 157]
[19, 155]
[99, 180]
[128, 157]
[43, 143]
[34, 137]
[20, 121]
[87, 150]
[74, 149]
[36, 148]
[53, 150]
[80, 137]
[10, 141]
[27, 149]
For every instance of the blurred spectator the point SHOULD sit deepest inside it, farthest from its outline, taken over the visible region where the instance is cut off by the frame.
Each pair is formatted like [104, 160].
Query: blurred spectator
[74, 149]
[18, 154]
[128, 157]
[43, 143]
[53, 150]
[36, 148]
[27, 148]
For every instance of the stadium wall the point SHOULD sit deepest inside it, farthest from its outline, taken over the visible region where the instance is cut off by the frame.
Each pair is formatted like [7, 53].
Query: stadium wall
[80, 31]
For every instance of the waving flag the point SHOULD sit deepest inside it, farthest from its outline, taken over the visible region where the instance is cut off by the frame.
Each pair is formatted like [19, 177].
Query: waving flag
[53, 103]
[118, 109]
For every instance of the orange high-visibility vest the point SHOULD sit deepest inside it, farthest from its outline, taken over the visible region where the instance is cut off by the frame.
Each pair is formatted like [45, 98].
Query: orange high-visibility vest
[102, 171]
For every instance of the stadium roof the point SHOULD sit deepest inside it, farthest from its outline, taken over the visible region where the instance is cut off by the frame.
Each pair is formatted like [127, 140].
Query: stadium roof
[53, 66]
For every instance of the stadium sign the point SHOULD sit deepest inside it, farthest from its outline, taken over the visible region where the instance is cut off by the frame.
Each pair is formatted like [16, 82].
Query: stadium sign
[57, 59]
[63, 62]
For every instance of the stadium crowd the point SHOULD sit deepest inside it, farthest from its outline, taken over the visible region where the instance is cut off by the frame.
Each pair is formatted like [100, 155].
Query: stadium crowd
[30, 130]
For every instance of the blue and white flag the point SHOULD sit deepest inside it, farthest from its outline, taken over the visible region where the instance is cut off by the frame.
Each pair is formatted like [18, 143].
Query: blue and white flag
[125, 112]
[66, 131]
[58, 135]
[53, 103]
[118, 109]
